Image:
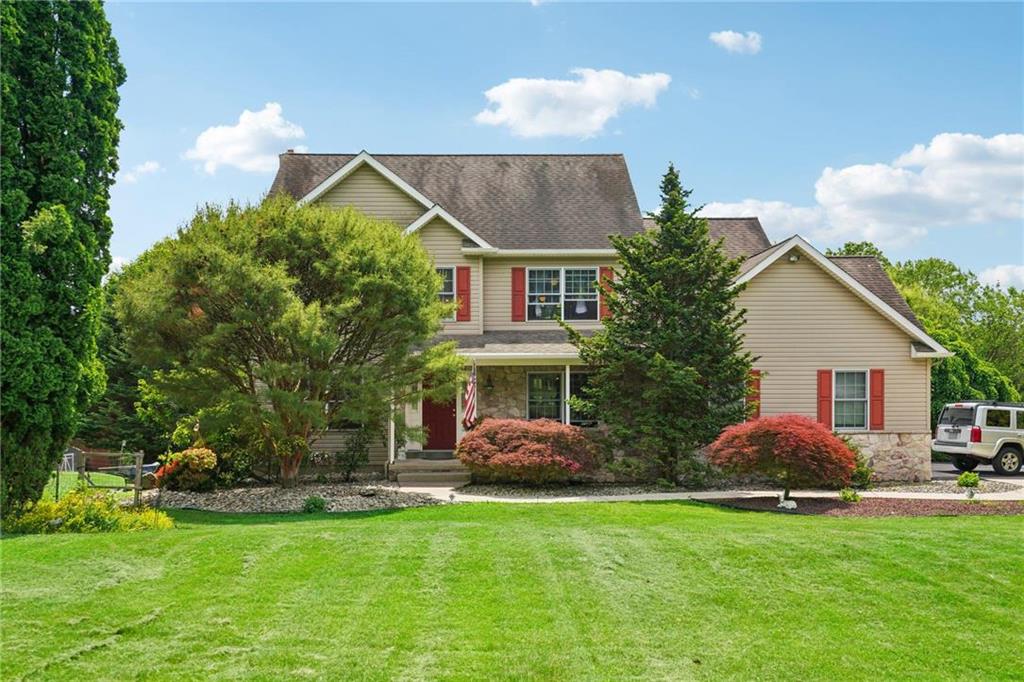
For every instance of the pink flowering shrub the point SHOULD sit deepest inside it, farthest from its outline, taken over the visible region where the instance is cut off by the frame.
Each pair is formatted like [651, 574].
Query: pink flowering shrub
[518, 450]
[791, 449]
[190, 469]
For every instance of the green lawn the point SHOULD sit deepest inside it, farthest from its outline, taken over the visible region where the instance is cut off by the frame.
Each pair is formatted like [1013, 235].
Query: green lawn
[559, 591]
[69, 481]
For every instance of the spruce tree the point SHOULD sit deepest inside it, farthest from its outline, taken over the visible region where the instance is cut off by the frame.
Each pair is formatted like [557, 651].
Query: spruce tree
[59, 132]
[669, 369]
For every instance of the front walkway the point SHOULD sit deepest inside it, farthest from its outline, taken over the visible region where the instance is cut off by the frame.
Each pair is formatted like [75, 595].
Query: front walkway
[453, 495]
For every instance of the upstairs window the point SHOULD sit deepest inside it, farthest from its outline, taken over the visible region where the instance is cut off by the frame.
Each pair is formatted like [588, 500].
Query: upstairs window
[543, 293]
[567, 292]
[851, 400]
[447, 294]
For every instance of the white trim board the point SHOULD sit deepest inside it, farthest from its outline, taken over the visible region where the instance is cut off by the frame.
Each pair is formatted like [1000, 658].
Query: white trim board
[359, 160]
[438, 212]
[798, 242]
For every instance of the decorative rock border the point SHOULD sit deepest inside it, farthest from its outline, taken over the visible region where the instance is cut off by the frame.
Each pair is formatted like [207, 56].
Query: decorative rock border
[340, 497]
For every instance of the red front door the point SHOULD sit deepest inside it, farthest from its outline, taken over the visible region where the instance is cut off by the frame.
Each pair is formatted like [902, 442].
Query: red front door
[439, 422]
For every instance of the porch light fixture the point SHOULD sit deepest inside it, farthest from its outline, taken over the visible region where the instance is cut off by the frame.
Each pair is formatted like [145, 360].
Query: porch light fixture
[489, 384]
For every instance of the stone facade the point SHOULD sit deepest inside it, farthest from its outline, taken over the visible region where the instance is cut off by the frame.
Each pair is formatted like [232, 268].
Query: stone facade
[897, 456]
[501, 391]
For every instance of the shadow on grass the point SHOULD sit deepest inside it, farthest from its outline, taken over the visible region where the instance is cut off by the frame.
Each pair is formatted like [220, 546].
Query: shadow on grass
[196, 517]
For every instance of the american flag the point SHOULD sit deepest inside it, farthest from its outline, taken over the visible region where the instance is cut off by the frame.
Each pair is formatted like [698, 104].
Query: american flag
[469, 401]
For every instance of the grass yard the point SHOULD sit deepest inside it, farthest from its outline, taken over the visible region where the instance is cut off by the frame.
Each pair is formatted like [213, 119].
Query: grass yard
[69, 481]
[560, 591]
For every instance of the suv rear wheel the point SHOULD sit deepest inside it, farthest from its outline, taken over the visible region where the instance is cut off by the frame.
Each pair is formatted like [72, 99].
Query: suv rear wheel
[965, 463]
[1008, 461]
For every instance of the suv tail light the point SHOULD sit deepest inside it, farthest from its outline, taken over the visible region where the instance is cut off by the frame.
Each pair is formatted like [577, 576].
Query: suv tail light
[975, 434]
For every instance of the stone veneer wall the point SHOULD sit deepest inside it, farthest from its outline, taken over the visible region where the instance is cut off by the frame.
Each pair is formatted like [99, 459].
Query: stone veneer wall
[897, 456]
[507, 399]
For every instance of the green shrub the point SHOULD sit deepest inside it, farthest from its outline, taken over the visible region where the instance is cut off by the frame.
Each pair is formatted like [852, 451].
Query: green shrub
[192, 469]
[968, 479]
[355, 454]
[860, 479]
[84, 511]
[314, 504]
[849, 495]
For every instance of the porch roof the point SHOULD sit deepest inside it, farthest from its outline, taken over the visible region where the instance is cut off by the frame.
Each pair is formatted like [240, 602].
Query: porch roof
[511, 347]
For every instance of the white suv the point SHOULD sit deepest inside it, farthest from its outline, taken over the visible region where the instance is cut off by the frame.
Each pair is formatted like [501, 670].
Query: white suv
[985, 432]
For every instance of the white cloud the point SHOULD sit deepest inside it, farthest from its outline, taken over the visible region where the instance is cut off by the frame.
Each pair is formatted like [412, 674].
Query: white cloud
[251, 145]
[1004, 276]
[732, 41]
[694, 93]
[955, 180]
[537, 107]
[778, 218]
[144, 168]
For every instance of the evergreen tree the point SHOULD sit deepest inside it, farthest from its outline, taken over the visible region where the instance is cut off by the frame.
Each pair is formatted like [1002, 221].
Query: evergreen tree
[59, 132]
[669, 369]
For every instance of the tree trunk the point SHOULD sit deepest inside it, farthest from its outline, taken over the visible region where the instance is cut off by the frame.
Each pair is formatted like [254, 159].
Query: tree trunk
[290, 470]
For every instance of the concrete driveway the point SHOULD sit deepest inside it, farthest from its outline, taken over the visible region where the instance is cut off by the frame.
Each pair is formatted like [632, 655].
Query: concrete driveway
[944, 471]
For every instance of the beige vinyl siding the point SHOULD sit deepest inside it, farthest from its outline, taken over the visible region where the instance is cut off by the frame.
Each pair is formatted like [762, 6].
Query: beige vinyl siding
[334, 441]
[444, 243]
[800, 320]
[374, 195]
[498, 290]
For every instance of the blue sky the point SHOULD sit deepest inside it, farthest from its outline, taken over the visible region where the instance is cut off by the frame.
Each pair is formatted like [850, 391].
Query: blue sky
[899, 123]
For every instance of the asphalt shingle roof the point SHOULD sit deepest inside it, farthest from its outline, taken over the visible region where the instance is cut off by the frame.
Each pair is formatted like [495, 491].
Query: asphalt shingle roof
[743, 236]
[514, 201]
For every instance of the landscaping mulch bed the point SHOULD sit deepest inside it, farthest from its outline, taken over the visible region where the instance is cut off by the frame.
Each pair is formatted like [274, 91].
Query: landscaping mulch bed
[946, 487]
[340, 497]
[876, 506]
[561, 490]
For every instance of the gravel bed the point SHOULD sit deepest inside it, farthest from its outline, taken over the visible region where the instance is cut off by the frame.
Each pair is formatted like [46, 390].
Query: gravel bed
[570, 490]
[946, 487]
[876, 506]
[340, 497]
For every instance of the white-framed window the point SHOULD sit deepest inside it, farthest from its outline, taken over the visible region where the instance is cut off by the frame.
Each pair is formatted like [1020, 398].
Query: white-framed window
[447, 293]
[567, 292]
[544, 395]
[850, 399]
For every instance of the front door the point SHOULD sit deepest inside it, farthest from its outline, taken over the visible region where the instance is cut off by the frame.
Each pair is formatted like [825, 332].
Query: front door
[439, 422]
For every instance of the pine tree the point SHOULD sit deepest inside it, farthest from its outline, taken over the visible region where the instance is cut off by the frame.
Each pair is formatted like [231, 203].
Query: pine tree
[59, 131]
[669, 369]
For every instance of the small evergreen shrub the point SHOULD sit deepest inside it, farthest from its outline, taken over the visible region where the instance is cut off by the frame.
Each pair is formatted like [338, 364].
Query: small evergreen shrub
[84, 511]
[314, 504]
[192, 469]
[790, 449]
[527, 451]
[968, 479]
[849, 495]
[862, 472]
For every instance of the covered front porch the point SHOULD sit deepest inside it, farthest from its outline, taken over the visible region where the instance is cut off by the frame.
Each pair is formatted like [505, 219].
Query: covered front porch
[518, 376]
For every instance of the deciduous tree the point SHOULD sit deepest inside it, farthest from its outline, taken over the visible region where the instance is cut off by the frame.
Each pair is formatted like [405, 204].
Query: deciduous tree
[286, 318]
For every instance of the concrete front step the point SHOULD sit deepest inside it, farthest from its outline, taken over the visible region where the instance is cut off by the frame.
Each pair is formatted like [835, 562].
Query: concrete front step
[447, 479]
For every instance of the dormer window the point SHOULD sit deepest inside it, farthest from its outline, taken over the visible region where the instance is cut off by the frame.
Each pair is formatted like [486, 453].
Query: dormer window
[569, 293]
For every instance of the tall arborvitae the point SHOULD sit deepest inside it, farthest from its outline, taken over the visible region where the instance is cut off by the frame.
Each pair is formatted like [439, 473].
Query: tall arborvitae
[669, 369]
[59, 75]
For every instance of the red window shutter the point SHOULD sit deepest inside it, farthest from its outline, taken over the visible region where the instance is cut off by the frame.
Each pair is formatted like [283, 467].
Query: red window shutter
[825, 397]
[754, 393]
[877, 399]
[462, 292]
[606, 275]
[518, 294]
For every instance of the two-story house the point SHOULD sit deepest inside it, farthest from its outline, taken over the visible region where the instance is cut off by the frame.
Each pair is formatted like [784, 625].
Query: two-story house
[521, 240]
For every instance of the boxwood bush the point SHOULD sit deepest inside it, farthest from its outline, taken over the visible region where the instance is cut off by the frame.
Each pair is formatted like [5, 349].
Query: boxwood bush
[521, 451]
